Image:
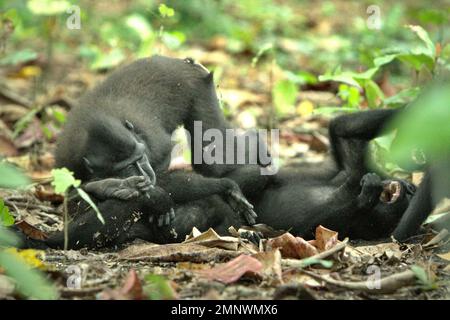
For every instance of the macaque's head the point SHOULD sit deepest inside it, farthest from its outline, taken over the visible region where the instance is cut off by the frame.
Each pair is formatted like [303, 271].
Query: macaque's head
[189, 79]
[381, 221]
[114, 149]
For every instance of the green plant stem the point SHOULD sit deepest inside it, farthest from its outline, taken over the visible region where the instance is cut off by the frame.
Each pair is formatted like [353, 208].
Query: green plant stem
[66, 223]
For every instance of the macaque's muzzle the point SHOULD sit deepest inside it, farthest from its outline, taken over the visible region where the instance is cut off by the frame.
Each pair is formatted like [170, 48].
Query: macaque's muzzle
[139, 163]
[393, 190]
[144, 167]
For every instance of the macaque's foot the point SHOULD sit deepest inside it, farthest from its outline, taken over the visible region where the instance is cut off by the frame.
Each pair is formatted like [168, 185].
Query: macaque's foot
[239, 204]
[164, 219]
[122, 189]
[253, 236]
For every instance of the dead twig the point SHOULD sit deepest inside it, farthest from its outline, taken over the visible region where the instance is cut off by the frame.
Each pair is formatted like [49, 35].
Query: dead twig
[441, 236]
[388, 284]
[14, 97]
[295, 263]
[32, 206]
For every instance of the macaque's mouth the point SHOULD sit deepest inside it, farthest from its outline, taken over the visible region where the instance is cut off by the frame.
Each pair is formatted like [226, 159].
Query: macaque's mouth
[391, 191]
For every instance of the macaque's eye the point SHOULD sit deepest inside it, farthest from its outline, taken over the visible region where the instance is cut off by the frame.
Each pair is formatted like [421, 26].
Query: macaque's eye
[88, 165]
[129, 125]
[189, 60]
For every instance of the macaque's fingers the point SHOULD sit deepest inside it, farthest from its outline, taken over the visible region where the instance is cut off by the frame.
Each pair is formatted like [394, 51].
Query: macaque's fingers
[172, 214]
[134, 181]
[252, 236]
[125, 194]
[240, 204]
[371, 184]
[160, 221]
[167, 219]
[145, 184]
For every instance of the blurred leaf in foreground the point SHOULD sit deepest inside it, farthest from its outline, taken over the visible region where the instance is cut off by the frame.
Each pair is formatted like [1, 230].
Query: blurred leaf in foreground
[10, 177]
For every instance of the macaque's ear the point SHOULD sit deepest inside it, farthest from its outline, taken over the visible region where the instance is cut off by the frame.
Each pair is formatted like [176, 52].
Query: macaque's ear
[210, 77]
[88, 165]
[129, 125]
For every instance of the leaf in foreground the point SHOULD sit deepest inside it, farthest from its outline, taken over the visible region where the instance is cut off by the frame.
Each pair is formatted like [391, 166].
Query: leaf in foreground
[30, 283]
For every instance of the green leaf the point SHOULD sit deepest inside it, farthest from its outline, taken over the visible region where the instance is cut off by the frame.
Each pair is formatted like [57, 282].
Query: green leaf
[10, 177]
[8, 238]
[6, 219]
[383, 60]
[48, 7]
[373, 93]
[366, 75]
[23, 122]
[385, 141]
[157, 287]
[423, 35]
[312, 261]
[11, 15]
[108, 60]
[350, 94]
[265, 48]
[140, 26]
[402, 97]
[284, 94]
[173, 39]
[333, 110]
[417, 60]
[165, 11]
[424, 126]
[31, 283]
[88, 199]
[19, 57]
[59, 116]
[424, 279]
[63, 179]
[344, 78]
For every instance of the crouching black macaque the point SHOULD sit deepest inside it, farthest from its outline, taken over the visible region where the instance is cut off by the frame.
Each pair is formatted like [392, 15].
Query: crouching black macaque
[117, 140]
[123, 128]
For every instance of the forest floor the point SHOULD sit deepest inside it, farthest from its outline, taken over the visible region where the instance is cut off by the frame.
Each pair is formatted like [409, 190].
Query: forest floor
[208, 266]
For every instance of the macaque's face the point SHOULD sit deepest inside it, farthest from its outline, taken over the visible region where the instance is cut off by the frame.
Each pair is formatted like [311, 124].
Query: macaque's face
[117, 152]
[395, 198]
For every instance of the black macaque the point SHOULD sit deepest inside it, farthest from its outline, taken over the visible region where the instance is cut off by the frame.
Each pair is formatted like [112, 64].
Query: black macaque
[341, 194]
[123, 128]
[126, 220]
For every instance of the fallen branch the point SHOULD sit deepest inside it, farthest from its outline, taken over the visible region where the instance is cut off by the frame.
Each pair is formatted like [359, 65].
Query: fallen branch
[31, 206]
[388, 284]
[14, 97]
[301, 263]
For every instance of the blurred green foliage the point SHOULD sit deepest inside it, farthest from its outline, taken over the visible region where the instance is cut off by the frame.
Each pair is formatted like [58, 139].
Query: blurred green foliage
[29, 282]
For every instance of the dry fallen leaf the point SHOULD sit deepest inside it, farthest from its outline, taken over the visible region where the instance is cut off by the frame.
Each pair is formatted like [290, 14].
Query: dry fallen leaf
[211, 239]
[175, 252]
[325, 238]
[233, 270]
[271, 262]
[130, 290]
[445, 256]
[31, 231]
[48, 194]
[291, 247]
